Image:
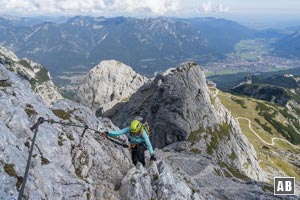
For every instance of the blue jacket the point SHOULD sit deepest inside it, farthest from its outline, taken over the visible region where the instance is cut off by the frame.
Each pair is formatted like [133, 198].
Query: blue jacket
[134, 139]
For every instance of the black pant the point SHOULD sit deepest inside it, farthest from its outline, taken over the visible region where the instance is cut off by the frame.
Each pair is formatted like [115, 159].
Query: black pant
[138, 153]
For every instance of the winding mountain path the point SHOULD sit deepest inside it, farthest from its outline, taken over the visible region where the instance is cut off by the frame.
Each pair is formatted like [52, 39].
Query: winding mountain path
[253, 131]
[267, 143]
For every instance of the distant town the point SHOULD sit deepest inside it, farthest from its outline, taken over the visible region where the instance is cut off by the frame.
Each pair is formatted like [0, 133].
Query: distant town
[263, 64]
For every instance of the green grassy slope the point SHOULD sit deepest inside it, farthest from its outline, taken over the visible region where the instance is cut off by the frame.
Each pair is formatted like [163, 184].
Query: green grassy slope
[268, 121]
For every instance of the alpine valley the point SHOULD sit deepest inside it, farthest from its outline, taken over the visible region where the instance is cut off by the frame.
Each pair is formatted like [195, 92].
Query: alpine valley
[70, 47]
[217, 134]
[156, 43]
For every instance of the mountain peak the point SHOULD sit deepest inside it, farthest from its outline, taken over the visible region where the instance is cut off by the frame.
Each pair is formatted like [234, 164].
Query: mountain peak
[108, 83]
[184, 114]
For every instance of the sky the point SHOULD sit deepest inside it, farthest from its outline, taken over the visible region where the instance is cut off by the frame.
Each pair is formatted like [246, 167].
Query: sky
[146, 8]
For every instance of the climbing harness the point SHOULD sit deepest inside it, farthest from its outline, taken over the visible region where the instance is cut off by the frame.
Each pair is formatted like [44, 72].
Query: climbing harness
[34, 129]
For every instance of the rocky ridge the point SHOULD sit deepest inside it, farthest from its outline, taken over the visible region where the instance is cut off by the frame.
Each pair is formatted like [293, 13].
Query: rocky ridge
[182, 113]
[279, 89]
[107, 84]
[66, 166]
[36, 74]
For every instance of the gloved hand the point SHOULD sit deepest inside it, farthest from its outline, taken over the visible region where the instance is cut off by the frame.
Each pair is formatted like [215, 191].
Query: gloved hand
[104, 134]
[152, 158]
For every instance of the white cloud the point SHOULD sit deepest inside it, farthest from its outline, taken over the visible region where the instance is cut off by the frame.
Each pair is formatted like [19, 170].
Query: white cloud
[206, 7]
[153, 6]
[66, 7]
[209, 8]
[221, 8]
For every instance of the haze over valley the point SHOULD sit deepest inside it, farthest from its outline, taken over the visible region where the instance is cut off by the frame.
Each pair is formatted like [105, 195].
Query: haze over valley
[69, 47]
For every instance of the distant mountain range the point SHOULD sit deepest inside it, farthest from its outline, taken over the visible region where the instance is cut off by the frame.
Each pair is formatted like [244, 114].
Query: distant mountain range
[148, 45]
[29, 21]
[289, 46]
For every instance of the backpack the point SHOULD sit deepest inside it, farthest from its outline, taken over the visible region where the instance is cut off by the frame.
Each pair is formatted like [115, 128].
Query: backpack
[146, 127]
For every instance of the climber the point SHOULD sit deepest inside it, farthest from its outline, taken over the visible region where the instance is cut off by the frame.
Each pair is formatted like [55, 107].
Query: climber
[139, 141]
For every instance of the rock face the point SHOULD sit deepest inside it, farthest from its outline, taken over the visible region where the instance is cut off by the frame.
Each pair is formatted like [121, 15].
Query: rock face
[64, 165]
[67, 166]
[107, 84]
[36, 74]
[184, 175]
[179, 107]
[175, 103]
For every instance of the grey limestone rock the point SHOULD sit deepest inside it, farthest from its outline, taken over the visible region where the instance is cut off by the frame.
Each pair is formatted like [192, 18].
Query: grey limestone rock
[107, 84]
[64, 165]
[67, 166]
[180, 108]
[136, 184]
[34, 73]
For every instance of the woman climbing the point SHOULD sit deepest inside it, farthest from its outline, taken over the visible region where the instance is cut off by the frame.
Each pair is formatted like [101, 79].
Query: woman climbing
[139, 141]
